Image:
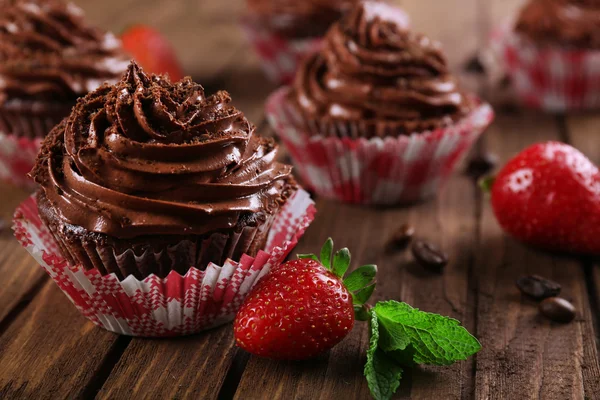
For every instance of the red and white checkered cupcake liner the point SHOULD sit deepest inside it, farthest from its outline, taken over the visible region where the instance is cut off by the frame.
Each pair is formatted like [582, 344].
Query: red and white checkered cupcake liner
[17, 157]
[280, 56]
[176, 305]
[385, 171]
[550, 78]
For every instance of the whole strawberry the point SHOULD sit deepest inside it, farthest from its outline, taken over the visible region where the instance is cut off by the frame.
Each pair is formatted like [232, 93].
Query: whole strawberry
[303, 307]
[548, 196]
[152, 51]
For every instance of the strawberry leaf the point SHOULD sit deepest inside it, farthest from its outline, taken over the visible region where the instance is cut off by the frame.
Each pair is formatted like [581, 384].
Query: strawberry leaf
[310, 256]
[326, 253]
[382, 373]
[362, 296]
[341, 262]
[360, 277]
[436, 339]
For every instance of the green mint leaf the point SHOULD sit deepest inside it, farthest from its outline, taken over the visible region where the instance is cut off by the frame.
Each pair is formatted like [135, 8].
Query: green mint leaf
[360, 277]
[326, 253]
[311, 256]
[382, 373]
[341, 262]
[362, 296]
[436, 339]
[404, 358]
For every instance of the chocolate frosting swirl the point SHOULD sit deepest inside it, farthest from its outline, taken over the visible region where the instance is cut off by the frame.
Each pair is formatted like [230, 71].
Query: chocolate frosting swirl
[49, 53]
[574, 23]
[374, 71]
[148, 156]
[299, 18]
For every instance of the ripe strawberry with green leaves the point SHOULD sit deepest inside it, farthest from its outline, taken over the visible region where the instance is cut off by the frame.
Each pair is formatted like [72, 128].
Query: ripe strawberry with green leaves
[306, 306]
[152, 51]
[303, 307]
[548, 196]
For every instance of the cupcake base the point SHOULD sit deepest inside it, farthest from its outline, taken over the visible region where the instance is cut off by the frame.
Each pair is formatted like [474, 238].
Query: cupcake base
[23, 126]
[547, 77]
[177, 304]
[380, 171]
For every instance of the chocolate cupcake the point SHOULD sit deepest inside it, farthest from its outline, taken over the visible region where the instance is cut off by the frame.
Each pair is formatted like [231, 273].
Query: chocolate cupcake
[552, 54]
[148, 177]
[49, 57]
[375, 117]
[284, 32]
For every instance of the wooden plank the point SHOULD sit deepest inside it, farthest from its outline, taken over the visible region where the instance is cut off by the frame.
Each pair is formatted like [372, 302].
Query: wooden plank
[524, 355]
[51, 351]
[189, 367]
[582, 132]
[20, 273]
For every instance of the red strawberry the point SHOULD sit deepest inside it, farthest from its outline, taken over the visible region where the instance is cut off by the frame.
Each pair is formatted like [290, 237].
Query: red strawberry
[152, 51]
[303, 308]
[548, 196]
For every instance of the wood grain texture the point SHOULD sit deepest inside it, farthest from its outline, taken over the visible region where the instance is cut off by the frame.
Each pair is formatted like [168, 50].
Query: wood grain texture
[50, 351]
[524, 355]
[47, 350]
[20, 273]
[192, 367]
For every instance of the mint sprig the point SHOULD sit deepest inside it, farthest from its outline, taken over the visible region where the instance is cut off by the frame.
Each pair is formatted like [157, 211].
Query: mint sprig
[382, 372]
[401, 336]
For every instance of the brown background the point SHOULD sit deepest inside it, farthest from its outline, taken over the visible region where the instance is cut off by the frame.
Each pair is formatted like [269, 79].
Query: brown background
[47, 350]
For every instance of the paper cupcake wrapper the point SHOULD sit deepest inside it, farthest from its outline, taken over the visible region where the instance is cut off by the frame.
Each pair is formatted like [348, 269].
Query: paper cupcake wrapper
[549, 78]
[386, 171]
[17, 157]
[176, 305]
[280, 56]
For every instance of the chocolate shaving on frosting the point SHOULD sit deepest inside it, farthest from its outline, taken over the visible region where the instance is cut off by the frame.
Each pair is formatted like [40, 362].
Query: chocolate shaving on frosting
[147, 156]
[570, 23]
[373, 70]
[49, 53]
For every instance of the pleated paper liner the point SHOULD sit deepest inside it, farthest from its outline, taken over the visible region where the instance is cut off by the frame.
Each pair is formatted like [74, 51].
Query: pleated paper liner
[280, 56]
[23, 126]
[176, 305]
[548, 77]
[380, 170]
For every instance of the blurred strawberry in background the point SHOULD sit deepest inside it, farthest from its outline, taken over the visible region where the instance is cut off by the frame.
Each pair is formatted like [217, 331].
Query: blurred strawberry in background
[152, 51]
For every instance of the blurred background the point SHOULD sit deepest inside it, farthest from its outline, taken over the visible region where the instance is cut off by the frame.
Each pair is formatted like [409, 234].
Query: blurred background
[211, 47]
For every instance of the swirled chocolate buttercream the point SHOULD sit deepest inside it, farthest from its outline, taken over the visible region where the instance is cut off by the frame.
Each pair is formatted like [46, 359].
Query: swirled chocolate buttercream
[374, 73]
[150, 157]
[49, 54]
[570, 23]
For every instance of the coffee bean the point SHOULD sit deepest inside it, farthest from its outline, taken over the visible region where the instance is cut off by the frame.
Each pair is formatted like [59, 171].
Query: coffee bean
[557, 309]
[401, 238]
[481, 164]
[429, 256]
[538, 287]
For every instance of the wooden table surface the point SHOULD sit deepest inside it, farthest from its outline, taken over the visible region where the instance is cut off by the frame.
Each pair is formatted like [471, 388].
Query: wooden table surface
[48, 350]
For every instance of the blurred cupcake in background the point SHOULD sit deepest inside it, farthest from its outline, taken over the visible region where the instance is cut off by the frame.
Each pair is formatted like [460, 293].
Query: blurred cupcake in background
[284, 31]
[49, 57]
[375, 117]
[551, 52]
